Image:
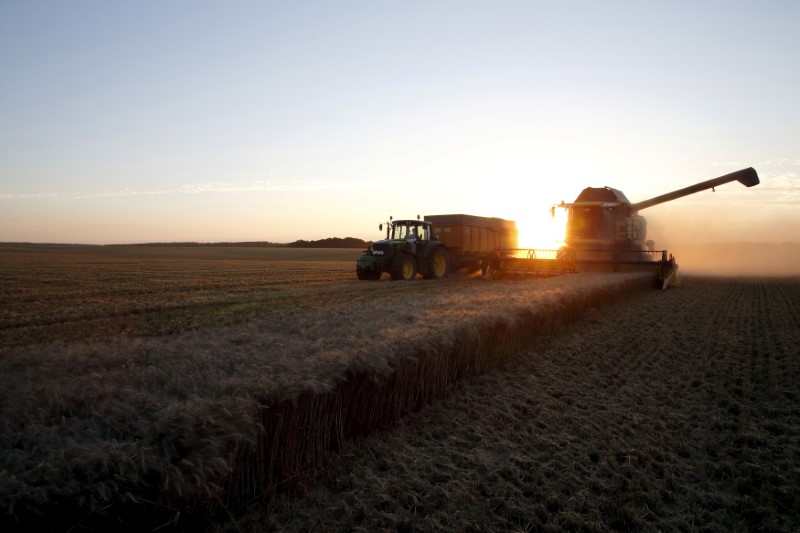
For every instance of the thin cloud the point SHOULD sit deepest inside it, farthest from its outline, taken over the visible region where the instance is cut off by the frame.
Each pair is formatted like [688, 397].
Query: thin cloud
[204, 188]
[30, 195]
[20, 156]
[785, 179]
[781, 161]
[766, 162]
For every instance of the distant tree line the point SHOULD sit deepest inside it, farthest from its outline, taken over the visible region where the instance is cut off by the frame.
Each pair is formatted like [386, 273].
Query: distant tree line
[330, 242]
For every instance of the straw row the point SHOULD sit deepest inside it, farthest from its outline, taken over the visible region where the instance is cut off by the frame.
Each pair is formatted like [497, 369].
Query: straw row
[297, 435]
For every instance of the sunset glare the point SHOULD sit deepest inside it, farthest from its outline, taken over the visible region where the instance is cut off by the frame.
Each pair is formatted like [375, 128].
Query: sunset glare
[543, 231]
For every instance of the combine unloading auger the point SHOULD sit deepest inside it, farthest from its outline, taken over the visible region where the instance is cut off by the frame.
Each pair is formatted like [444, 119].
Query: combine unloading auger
[605, 232]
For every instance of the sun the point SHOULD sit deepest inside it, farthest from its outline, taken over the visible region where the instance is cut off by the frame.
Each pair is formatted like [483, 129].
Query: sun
[542, 230]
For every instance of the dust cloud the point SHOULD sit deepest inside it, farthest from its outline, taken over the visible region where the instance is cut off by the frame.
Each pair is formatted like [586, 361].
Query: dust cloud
[728, 240]
[738, 259]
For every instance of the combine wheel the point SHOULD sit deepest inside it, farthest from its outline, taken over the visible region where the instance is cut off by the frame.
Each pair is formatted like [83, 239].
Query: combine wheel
[438, 264]
[404, 267]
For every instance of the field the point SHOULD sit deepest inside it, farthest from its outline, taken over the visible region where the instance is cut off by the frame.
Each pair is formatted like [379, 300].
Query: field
[240, 390]
[667, 411]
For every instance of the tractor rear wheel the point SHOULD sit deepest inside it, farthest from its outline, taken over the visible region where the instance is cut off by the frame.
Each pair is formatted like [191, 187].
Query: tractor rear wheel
[438, 264]
[404, 267]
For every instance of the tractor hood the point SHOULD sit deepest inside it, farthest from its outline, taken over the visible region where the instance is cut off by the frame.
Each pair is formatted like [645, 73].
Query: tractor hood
[384, 245]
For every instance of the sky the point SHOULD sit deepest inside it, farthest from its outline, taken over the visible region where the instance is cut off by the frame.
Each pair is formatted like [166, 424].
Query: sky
[130, 122]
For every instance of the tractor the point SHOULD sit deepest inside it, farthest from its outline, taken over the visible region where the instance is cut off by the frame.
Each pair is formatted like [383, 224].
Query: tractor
[409, 248]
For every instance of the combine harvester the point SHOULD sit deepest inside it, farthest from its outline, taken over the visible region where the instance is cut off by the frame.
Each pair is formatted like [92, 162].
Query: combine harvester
[605, 232]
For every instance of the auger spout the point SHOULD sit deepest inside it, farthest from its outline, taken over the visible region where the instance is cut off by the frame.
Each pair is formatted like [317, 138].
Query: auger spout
[747, 177]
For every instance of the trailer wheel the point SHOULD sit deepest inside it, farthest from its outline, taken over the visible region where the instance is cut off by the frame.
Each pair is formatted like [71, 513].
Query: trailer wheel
[438, 264]
[404, 267]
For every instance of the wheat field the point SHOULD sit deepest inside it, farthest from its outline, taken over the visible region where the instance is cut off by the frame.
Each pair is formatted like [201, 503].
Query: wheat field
[666, 411]
[255, 388]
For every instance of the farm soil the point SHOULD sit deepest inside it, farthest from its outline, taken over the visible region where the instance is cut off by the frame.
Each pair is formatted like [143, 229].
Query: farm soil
[129, 366]
[673, 410]
[137, 385]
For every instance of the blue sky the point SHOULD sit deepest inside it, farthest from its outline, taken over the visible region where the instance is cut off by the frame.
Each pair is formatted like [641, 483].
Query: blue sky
[229, 121]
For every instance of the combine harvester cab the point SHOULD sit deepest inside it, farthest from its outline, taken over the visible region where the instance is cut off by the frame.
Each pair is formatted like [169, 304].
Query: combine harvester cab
[605, 232]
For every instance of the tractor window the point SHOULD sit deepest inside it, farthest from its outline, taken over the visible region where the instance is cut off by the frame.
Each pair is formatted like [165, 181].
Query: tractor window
[411, 231]
[419, 232]
[402, 231]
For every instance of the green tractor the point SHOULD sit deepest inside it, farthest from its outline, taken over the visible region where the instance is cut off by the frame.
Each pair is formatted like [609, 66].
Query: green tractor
[409, 248]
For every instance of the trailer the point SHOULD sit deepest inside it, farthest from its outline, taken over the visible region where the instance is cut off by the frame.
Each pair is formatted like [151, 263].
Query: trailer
[471, 239]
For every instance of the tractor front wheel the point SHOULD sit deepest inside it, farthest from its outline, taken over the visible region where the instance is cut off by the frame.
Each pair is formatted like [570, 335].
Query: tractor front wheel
[404, 267]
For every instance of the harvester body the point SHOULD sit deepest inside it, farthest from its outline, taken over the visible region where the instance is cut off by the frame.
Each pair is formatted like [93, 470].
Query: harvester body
[435, 246]
[605, 232]
[603, 219]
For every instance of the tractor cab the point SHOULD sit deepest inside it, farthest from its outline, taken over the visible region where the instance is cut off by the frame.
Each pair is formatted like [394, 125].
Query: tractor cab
[408, 230]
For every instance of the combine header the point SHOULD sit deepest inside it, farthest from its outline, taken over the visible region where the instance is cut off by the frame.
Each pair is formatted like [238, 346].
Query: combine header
[605, 232]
